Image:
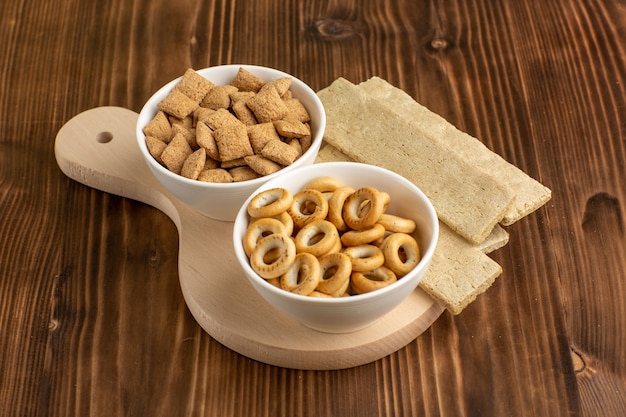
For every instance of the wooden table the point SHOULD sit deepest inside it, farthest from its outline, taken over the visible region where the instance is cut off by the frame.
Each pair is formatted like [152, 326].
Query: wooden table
[92, 320]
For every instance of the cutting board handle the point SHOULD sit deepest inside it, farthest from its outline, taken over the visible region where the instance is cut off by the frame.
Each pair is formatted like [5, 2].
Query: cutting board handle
[98, 148]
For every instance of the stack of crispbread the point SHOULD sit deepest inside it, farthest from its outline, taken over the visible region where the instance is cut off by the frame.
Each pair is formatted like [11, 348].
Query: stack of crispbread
[473, 190]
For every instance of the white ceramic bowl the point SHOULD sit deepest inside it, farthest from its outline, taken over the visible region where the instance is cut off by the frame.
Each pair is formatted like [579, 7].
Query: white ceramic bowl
[347, 314]
[222, 201]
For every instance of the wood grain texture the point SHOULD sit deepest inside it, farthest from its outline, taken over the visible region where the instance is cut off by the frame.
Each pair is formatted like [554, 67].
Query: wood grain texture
[92, 321]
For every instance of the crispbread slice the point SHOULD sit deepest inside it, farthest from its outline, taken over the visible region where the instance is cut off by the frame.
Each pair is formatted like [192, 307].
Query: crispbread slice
[497, 239]
[530, 194]
[467, 199]
[458, 272]
[328, 153]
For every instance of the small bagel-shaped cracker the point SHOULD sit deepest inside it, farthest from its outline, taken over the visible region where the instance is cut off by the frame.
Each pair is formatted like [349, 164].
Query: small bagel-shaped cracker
[335, 272]
[335, 249]
[272, 255]
[380, 241]
[396, 224]
[324, 184]
[260, 228]
[277, 265]
[317, 238]
[386, 200]
[401, 253]
[274, 281]
[303, 275]
[270, 202]
[364, 282]
[365, 257]
[343, 291]
[362, 237]
[307, 206]
[286, 220]
[363, 208]
[319, 294]
[335, 207]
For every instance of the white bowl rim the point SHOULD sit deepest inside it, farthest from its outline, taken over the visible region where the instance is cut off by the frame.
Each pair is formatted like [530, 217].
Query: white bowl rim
[152, 101]
[354, 299]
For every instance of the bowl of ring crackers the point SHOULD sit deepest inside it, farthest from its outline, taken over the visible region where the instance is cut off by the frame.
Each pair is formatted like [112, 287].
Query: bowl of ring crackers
[336, 245]
[214, 135]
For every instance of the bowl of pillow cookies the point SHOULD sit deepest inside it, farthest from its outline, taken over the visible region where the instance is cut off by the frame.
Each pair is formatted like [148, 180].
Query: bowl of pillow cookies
[214, 135]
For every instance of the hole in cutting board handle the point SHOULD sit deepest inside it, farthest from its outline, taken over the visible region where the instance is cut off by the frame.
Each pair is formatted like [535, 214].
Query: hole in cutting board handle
[104, 137]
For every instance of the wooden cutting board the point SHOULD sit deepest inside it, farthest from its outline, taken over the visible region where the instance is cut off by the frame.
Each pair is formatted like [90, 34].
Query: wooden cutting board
[98, 148]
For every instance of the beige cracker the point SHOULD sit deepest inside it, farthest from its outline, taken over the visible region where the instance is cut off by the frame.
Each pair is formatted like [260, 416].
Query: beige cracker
[194, 85]
[467, 199]
[530, 194]
[458, 272]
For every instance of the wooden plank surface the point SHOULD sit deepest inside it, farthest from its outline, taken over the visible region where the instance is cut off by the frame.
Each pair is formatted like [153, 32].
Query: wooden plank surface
[92, 320]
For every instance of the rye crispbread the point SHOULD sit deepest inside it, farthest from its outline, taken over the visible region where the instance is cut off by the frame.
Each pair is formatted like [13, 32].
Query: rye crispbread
[529, 193]
[467, 199]
[458, 272]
